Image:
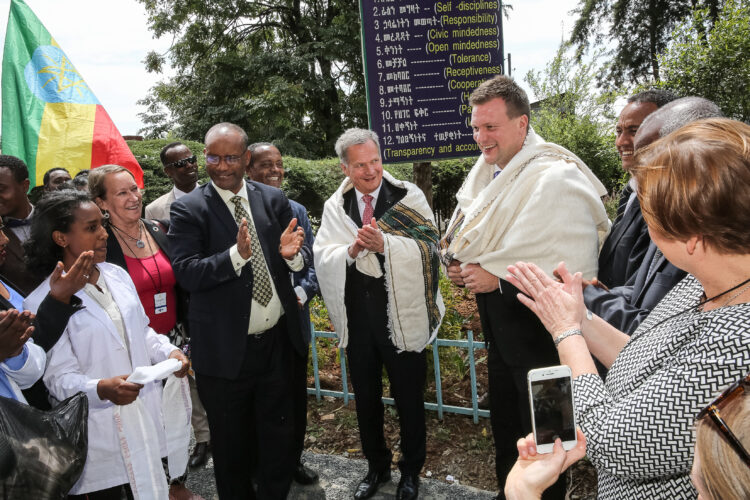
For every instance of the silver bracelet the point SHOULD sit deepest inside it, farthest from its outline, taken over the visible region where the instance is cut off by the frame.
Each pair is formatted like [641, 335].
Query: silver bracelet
[567, 333]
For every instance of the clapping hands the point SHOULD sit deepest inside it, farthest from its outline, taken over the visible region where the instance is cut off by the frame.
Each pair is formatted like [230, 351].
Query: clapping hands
[291, 240]
[15, 330]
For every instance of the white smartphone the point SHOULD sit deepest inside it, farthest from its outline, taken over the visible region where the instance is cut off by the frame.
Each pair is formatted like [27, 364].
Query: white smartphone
[551, 399]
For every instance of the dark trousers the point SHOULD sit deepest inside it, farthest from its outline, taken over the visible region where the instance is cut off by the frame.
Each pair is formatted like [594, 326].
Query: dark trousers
[406, 374]
[299, 383]
[253, 411]
[518, 342]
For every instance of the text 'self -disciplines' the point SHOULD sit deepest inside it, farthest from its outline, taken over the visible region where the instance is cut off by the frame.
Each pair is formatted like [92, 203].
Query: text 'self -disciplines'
[422, 61]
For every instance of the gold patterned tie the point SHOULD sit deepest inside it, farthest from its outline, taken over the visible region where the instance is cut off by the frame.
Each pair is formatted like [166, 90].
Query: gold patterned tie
[262, 292]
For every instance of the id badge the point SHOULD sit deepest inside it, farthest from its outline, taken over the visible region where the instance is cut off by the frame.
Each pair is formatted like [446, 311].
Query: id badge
[160, 303]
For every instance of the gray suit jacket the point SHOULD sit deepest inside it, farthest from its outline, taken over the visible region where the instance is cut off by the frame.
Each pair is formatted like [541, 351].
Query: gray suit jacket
[625, 307]
[159, 208]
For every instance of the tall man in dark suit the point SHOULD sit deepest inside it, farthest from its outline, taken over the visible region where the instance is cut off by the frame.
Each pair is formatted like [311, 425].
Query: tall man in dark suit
[17, 212]
[234, 244]
[524, 199]
[626, 306]
[624, 248]
[377, 230]
[267, 167]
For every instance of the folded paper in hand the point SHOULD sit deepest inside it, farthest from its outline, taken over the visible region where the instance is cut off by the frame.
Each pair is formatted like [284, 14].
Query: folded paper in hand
[145, 374]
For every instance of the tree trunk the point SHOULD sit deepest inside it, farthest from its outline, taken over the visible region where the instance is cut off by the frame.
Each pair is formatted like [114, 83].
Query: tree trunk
[423, 179]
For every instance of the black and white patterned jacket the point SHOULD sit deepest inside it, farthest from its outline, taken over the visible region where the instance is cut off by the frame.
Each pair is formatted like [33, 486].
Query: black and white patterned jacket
[639, 424]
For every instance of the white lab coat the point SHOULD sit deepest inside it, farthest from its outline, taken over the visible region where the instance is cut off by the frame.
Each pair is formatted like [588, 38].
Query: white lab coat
[30, 372]
[91, 349]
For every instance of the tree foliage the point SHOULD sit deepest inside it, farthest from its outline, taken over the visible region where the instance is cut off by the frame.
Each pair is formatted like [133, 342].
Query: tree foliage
[712, 58]
[639, 30]
[575, 116]
[285, 70]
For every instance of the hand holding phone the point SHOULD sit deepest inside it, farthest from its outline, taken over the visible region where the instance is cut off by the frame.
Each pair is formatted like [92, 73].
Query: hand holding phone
[551, 400]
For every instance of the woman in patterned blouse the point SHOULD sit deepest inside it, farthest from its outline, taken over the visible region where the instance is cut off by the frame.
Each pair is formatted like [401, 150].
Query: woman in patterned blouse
[694, 191]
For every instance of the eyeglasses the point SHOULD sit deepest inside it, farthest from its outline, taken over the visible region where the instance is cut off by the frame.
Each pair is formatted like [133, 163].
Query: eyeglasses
[184, 162]
[230, 159]
[712, 410]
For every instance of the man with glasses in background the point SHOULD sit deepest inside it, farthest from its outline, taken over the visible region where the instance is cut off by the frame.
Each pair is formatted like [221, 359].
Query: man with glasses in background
[233, 244]
[180, 165]
[267, 167]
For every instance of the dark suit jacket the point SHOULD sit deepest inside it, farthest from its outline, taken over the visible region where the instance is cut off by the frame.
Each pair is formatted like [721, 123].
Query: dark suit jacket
[157, 230]
[14, 270]
[624, 249]
[306, 278]
[364, 295]
[625, 307]
[202, 232]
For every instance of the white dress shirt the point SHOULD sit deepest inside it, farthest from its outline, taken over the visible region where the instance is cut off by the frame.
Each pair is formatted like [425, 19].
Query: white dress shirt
[179, 194]
[261, 317]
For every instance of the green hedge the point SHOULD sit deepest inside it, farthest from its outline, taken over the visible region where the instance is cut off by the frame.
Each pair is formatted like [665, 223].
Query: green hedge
[310, 182]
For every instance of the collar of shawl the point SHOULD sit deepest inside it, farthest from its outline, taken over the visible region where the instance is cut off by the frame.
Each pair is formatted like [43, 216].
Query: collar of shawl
[410, 217]
[480, 189]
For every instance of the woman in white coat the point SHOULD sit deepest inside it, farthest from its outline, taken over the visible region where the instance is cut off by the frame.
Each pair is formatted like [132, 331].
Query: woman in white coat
[103, 343]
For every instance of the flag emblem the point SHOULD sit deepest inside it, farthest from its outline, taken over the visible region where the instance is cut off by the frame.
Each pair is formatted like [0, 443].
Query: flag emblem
[52, 78]
[51, 117]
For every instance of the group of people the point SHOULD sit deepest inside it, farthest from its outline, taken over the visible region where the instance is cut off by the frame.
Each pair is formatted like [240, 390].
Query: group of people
[658, 303]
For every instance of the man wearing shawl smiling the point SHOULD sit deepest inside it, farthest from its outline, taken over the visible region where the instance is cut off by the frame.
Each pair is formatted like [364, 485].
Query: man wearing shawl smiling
[377, 264]
[524, 199]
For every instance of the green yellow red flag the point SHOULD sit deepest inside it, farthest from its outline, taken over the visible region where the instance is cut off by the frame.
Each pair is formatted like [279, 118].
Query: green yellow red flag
[51, 118]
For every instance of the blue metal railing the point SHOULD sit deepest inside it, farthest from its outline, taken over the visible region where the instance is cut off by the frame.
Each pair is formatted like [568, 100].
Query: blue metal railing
[441, 408]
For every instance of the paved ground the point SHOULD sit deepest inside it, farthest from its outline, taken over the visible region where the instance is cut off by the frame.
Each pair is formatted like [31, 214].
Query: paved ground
[338, 478]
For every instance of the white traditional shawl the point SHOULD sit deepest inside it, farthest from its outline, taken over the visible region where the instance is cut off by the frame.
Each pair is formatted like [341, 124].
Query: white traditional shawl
[544, 207]
[415, 307]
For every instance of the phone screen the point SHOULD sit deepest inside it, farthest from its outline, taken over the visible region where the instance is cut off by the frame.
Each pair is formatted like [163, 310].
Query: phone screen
[553, 410]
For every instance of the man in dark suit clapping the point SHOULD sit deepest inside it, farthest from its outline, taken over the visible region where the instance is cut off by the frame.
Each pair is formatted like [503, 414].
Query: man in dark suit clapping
[234, 244]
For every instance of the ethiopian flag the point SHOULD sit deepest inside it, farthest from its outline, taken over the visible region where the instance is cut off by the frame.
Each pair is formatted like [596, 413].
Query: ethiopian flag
[51, 118]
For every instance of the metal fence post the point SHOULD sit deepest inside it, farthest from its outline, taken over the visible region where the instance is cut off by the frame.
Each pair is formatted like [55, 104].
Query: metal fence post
[473, 375]
[342, 357]
[439, 406]
[314, 344]
[438, 384]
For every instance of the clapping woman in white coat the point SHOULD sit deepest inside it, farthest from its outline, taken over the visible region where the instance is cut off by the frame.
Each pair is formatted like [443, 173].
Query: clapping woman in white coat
[103, 343]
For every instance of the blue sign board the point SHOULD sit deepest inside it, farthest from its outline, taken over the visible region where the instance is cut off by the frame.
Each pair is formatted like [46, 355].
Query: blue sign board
[422, 60]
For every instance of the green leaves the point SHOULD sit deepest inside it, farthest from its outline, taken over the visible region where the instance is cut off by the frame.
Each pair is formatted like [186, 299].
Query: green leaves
[635, 33]
[576, 116]
[709, 57]
[286, 71]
